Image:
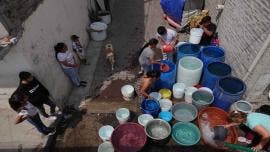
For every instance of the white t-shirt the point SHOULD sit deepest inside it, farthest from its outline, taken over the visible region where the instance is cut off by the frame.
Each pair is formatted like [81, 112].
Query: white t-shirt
[168, 37]
[146, 55]
[28, 110]
[67, 56]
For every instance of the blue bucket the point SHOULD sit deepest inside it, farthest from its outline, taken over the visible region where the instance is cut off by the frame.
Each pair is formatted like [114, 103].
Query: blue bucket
[213, 72]
[211, 54]
[167, 79]
[187, 49]
[150, 107]
[165, 115]
[227, 91]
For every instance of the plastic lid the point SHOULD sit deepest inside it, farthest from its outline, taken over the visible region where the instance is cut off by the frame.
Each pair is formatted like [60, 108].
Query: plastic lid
[98, 26]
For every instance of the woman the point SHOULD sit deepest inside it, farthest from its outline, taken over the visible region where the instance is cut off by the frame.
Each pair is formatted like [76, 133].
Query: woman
[257, 122]
[145, 84]
[147, 56]
[26, 111]
[68, 63]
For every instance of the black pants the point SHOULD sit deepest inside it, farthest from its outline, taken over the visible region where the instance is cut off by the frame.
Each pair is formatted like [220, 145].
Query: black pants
[45, 100]
[257, 138]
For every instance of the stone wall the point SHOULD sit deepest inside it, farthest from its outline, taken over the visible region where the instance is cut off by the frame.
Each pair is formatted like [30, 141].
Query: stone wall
[52, 22]
[243, 31]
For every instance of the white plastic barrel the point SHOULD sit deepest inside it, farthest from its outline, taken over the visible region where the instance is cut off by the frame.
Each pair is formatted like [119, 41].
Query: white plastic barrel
[122, 115]
[105, 17]
[98, 31]
[188, 94]
[106, 147]
[127, 92]
[241, 105]
[195, 35]
[189, 70]
[165, 104]
[178, 90]
[105, 132]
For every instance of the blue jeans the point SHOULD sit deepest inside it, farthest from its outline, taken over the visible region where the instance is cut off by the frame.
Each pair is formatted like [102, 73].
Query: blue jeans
[73, 75]
[35, 121]
[146, 67]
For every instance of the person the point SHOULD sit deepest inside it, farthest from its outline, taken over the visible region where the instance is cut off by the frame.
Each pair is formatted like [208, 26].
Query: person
[145, 84]
[26, 111]
[36, 92]
[78, 49]
[257, 122]
[68, 63]
[209, 30]
[147, 56]
[167, 38]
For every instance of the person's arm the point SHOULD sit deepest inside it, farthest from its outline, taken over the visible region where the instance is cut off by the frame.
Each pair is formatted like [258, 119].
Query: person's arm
[144, 88]
[206, 31]
[230, 125]
[265, 136]
[65, 63]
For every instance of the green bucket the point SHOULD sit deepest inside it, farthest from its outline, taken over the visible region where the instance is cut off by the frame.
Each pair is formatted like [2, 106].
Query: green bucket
[186, 133]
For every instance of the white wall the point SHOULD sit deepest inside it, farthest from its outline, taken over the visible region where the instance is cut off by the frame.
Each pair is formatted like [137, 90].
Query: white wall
[53, 21]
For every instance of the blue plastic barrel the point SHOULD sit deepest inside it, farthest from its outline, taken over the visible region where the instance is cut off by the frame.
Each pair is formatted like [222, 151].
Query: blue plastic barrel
[211, 54]
[167, 79]
[187, 49]
[227, 91]
[213, 72]
[151, 107]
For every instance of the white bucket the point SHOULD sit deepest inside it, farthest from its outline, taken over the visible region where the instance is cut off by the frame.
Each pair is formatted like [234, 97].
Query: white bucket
[242, 106]
[156, 95]
[188, 94]
[106, 147]
[98, 31]
[144, 119]
[189, 70]
[127, 92]
[206, 89]
[105, 17]
[178, 90]
[105, 132]
[165, 104]
[122, 115]
[195, 35]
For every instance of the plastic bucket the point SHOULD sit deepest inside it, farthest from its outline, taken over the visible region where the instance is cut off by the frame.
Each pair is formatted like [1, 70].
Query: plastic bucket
[155, 95]
[165, 104]
[195, 35]
[127, 92]
[150, 107]
[105, 17]
[227, 91]
[242, 106]
[206, 89]
[187, 49]
[167, 78]
[158, 130]
[122, 115]
[178, 90]
[188, 94]
[106, 147]
[189, 71]
[211, 54]
[105, 132]
[202, 99]
[213, 72]
[165, 115]
[165, 93]
[184, 112]
[186, 134]
[129, 137]
[143, 119]
[98, 31]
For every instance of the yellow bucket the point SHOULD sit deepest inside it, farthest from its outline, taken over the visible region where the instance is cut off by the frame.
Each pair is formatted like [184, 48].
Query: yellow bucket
[165, 93]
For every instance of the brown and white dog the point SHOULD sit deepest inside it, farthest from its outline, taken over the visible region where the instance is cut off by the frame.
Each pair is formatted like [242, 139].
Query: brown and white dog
[110, 54]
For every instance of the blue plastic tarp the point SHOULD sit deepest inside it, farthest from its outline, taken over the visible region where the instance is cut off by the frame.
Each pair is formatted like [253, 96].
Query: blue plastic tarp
[173, 8]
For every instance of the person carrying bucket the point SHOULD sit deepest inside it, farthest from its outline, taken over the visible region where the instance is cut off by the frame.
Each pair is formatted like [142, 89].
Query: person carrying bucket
[209, 30]
[145, 84]
[168, 39]
[147, 56]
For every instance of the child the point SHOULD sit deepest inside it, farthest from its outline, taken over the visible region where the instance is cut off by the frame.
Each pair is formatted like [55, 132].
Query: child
[77, 48]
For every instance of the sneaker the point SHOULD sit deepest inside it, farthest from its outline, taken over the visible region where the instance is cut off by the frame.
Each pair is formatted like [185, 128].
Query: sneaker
[82, 85]
[52, 118]
[83, 82]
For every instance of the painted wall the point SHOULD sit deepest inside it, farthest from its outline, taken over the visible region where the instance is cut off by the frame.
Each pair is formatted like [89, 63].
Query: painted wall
[52, 22]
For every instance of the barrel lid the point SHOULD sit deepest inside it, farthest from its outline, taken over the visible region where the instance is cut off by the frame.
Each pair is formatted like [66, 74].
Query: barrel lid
[98, 26]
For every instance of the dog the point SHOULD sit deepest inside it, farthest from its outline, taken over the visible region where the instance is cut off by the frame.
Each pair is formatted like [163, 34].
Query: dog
[110, 54]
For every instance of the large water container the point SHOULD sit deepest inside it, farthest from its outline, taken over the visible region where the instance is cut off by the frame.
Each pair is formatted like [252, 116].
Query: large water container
[189, 71]
[98, 31]
[187, 49]
[227, 91]
[167, 78]
[195, 35]
[213, 72]
[212, 53]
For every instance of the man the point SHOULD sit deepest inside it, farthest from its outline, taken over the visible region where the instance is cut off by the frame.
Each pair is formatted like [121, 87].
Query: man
[209, 29]
[37, 93]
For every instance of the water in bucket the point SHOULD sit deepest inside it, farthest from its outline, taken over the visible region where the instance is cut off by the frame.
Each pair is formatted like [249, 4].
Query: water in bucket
[184, 114]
